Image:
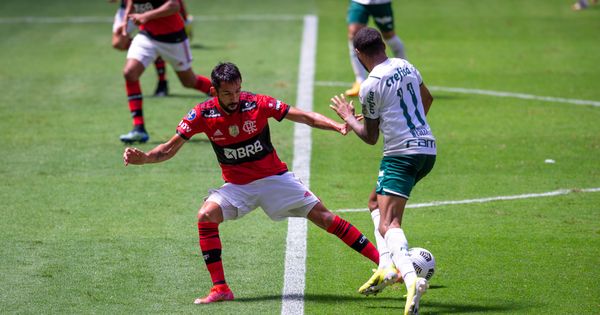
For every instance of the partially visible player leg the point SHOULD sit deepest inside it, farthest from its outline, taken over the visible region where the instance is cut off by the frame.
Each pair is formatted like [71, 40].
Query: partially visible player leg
[209, 217]
[132, 72]
[193, 81]
[345, 231]
[392, 208]
[386, 274]
[162, 87]
[357, 18]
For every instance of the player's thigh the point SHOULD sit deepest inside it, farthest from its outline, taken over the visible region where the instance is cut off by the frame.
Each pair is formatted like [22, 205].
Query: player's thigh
[178, 55]
[283, 196]
[426, 165]
[357, 14]
[397, 175]
[383, 16]
[142, 49]
[235, 201]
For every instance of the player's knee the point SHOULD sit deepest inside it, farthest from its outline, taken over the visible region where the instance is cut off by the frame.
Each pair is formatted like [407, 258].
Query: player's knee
[203, 215]
[130, 75]
[190, 84]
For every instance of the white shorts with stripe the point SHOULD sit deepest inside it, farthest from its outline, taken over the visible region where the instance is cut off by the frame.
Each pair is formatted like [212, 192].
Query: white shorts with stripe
[280, 197]
[145, 50]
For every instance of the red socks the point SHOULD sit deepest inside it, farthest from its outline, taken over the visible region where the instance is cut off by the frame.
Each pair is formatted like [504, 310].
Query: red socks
[203, 84]
[210, 244]
[135, 99]
[353, 238]
[159, 63]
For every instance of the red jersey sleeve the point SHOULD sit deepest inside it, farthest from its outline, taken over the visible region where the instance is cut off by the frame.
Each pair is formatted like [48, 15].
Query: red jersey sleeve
[191, 124]
[272, 106]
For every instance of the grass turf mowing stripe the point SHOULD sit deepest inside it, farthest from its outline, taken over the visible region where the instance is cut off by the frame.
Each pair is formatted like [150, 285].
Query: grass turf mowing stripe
[489, 93]
[109, 19]
[489, 199]
[295, 256]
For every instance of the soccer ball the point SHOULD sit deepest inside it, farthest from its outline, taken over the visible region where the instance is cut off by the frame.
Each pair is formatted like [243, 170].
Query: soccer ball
[423, 261]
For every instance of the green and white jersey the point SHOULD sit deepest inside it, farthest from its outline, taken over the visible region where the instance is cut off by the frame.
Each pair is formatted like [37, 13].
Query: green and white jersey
[391, 94]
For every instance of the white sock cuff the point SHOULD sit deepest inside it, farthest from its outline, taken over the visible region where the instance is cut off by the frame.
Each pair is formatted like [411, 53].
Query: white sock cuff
[375, 214]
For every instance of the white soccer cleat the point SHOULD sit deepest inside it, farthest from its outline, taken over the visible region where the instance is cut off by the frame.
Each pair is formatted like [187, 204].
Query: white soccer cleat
[415, 292]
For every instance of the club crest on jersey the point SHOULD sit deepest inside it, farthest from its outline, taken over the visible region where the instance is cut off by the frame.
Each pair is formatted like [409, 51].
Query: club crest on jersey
[191, 115]
[249, 126]
[234, 131]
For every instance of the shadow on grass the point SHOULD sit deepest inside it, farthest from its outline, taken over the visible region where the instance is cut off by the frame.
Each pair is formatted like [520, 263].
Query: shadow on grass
[198, 96]
[429, 307]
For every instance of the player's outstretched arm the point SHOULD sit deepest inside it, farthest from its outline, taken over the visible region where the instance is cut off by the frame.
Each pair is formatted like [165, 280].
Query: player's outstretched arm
[160, 153]
[367, 132]
[315, 120]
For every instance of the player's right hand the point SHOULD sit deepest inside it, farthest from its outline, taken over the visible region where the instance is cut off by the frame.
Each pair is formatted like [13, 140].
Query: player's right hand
[133, 156]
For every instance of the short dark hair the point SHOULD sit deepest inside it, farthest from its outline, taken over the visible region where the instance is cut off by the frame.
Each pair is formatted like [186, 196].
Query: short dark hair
[225, 72]
[368, 41]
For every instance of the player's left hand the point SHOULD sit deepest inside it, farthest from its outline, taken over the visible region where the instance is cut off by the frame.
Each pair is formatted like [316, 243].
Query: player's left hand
[342, 107]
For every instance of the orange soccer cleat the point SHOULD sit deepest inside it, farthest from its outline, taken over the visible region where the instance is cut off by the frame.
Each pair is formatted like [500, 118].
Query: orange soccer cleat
[218, 293]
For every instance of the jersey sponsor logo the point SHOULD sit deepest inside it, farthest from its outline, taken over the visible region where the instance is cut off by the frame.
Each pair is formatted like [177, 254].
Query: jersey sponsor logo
[234, 131]
[191, 115]
[249, 126]
[253, 149]
[277, 105]
[183, 125]
[398, 76]
[142, 7]
[246, 151]
[422, 143]
[248, 106]
[210, 113]
[420, 131]
[371, 102]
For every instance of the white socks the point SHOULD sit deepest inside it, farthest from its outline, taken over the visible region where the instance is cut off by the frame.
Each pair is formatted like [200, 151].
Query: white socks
[396, 46]
[359, 71]
[385, 259]
[398, 245]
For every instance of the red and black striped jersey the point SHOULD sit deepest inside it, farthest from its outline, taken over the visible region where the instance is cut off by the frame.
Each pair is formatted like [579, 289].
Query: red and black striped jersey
[168, 29]
[241, 140]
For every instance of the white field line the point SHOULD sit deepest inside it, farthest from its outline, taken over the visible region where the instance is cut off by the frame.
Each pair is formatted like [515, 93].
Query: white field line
[295, 254]
[486, 92]
[109, 19]
[489, 199]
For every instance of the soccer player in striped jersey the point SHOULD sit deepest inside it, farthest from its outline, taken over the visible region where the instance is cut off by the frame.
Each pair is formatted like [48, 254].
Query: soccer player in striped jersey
[122, 42]
[236, 124]
[162, 33]
[394, 101]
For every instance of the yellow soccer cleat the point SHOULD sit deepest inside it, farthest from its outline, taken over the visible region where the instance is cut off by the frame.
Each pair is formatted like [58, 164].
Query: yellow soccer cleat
[353, 91]
[416, 290]
[380, 279]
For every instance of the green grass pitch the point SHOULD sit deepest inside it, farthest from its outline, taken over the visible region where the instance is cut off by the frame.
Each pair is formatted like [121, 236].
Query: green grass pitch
[82, 234]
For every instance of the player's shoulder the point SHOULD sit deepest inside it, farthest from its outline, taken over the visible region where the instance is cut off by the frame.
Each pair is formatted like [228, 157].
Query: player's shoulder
[207, 109]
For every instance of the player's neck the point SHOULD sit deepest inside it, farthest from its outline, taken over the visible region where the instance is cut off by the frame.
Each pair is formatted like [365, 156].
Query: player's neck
[376, 60]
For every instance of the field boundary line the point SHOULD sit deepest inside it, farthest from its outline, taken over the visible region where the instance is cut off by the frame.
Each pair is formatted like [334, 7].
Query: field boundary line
[489, 199]
[295, 254]
[486, 92]
[109, 19]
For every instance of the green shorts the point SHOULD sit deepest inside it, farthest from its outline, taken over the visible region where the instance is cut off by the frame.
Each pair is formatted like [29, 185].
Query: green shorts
[382, 15]
[399, 174]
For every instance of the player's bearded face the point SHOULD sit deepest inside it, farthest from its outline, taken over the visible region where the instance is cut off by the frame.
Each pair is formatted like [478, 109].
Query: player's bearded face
[228, 95]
